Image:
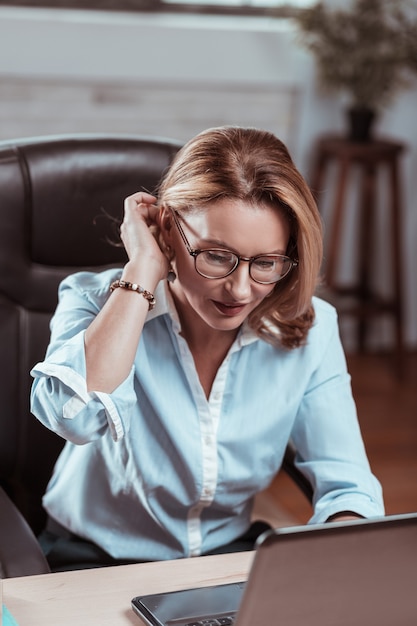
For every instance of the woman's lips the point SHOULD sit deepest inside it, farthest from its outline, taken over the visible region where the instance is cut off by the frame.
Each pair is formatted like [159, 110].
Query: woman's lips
[229, 309]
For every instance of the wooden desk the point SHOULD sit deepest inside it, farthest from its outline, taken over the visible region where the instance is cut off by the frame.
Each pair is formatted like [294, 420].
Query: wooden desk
[102, 596]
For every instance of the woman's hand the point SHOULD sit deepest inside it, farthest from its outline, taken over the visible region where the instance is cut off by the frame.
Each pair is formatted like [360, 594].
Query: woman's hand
[141, 217]
[344, 516]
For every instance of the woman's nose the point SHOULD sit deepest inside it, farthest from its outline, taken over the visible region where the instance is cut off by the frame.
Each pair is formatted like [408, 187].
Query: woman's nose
[239, 282]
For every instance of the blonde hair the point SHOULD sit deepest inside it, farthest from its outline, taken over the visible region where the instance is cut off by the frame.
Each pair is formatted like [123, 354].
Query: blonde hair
[254, 166]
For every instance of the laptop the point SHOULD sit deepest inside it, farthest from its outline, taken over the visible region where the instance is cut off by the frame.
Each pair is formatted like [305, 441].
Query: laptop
[355, 573]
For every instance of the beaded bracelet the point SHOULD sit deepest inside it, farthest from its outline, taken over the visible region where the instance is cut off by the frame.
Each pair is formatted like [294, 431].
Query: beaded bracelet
[124, 284]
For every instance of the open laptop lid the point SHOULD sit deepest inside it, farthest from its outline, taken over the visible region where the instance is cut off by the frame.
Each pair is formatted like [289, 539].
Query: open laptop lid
[359, 573]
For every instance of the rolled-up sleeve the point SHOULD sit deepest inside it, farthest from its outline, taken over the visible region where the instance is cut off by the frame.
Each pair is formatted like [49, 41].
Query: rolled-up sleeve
[59, 396]
[327, 436]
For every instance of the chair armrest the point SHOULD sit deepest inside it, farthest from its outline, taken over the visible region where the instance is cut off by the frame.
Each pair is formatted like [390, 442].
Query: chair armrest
[294, 473]
[20, 552]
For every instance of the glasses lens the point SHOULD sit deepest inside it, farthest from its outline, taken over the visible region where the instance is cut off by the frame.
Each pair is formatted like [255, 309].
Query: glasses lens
[215, 263]
[270, 269]
[263, 269]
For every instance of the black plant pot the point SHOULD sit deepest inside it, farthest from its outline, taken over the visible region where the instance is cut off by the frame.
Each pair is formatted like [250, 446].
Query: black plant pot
[361, 121]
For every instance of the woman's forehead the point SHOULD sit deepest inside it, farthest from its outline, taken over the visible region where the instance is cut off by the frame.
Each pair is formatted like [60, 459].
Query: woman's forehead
[238, 223]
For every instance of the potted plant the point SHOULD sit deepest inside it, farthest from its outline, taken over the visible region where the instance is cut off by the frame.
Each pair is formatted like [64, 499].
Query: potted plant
[368, 51]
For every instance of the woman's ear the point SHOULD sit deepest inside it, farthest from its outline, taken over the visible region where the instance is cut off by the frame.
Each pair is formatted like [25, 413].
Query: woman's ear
[165, 226]
[165, 220]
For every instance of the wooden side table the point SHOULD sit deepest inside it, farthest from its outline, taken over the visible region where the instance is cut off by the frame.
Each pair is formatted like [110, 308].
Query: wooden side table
[367, 158]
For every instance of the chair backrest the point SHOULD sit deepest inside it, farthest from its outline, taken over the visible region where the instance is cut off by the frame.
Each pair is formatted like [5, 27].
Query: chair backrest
[20, 552]
[61, 201]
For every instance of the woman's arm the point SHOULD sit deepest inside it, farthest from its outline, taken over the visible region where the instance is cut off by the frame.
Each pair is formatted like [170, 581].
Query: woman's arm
[112, 338]
[95, 336]
[59, 396]
[327, 436]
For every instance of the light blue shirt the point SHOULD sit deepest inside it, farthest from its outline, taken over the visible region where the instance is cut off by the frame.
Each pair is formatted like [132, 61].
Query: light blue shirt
[154, 470]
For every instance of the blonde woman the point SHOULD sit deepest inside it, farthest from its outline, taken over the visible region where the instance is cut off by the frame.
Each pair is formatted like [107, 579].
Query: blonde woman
[178, 380]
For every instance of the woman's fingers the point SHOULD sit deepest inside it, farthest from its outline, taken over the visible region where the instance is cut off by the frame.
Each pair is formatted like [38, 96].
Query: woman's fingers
[140, 199]
[141, 204]
[142, 196]
[139, 227]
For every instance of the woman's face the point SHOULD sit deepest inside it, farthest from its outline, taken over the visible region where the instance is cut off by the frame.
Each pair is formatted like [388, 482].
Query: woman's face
[224, 303]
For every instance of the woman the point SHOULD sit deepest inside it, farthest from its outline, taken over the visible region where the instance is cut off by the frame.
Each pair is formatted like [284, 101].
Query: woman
[178, 380]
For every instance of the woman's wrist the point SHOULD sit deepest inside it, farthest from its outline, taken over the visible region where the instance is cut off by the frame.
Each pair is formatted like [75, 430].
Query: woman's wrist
[124, 284]
[146, 274]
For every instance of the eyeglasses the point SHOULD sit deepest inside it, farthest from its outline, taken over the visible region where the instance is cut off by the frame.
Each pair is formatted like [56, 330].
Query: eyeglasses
[213, 263]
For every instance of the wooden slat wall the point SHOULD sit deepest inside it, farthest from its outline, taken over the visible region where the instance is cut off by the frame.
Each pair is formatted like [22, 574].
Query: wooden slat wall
[37, 106]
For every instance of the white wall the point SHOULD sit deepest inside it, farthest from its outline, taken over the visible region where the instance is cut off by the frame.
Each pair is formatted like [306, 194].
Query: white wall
[69, 71]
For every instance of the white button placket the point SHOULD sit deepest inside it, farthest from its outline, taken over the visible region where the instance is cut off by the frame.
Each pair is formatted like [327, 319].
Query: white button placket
[209, 415]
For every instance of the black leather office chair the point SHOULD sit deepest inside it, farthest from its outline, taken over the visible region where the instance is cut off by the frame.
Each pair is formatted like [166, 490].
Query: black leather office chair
[20, 552]
[58, 196]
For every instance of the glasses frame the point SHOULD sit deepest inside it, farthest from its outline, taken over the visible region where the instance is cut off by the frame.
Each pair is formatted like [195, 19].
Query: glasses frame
[194, 252]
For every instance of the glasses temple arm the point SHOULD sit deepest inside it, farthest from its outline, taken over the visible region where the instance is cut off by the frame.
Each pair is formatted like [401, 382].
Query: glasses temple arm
[181, 232]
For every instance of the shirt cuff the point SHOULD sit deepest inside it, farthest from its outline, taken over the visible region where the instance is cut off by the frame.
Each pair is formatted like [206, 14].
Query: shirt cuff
[81, 397]
[360, 505]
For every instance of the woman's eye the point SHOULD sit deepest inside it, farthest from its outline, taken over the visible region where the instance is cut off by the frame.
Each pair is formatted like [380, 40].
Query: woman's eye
[265, 264]
[217, 257]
